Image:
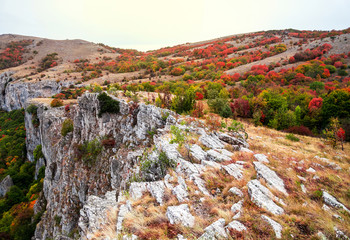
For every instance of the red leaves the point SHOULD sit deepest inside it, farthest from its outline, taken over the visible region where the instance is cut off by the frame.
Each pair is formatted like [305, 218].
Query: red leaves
[240, 107]
[199, 96]
[315, 104]
[341, 134]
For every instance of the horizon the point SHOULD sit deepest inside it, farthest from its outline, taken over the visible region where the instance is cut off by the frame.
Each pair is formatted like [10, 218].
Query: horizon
[154, 24]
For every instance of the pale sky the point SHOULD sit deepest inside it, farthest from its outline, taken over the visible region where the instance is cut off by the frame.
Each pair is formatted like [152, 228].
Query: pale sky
[151, 24]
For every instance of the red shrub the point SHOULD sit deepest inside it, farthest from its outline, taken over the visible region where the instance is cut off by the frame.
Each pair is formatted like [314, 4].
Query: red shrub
[240, 107]
[108, 143]
[67, 108]
[301, 130]
[199, 96]
[315, 104]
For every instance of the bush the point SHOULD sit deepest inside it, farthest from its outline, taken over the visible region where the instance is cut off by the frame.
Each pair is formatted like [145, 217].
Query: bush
[178, 136]
[37, 153]
[301, 130]
[67, 127]
[290, 136]
[47, 62]
[108, 143]
[107, 104]
[56, 103]
[32, 109]
[89, 151]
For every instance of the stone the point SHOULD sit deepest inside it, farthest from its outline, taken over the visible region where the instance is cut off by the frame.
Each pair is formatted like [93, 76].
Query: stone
[214, 231]
[270, 177]
[243, 149]
[156, 189]
[180, 191]
[198, 153]
[211, 164]
[211, 141]
[277, 228]
[237, 207]
[303, 188]
[333, 202]
[261, 158]
[200, 184]
[311, 170]
[123, 210]
[237, 226]
[235, 141]
[215, 155]
[5, 185]
[137, 189]
[236, 191]
[93, 213]
[129, 237]
[321, 236]
[234, 170]
[180, 215]
[340, 234]
[262, 197]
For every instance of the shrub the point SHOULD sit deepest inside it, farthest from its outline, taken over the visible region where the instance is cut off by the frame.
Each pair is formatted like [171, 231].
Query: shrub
[301, 130]
[37, 153]
[178, 136]
[108, 143]
[47, 62]
[67, 127]
[292, 137]
[238, 128]
[107, 104]
[32, 109]
[67, 108]
[56, 103]
[89, 151]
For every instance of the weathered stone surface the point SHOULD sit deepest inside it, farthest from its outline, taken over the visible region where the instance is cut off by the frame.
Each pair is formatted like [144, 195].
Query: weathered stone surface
[270, 177]
[200, 184]
[262, 197]
[237, 209]
[198, 152]
[123, 210]
[5, 185]
[93, 214]
[211, 164]
[215, 155]
[261, 158]
[180, 191]
[211, 141]
[180, 215]
[236, 191]
[237, 226]
[234, 170]
[129, 237]
[340, 234]
[156, 189]
[332, 201]
[214, 231]
[277, 228]
[235, 141]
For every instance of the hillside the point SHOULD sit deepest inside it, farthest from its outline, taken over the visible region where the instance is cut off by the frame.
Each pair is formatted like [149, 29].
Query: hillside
[239, 137]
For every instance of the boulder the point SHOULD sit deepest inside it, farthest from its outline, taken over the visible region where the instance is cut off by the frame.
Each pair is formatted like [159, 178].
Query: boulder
[180, 215]
[237, 226]
[261, 158]
[270, 177]
[5, 185]
[214, 231]
[262, 197]
[235, 170]
[277, 228]
[332, 201]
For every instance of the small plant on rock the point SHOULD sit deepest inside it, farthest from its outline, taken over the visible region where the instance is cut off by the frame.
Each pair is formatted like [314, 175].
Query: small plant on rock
[67, 127]
[107, 104]
[56, 103]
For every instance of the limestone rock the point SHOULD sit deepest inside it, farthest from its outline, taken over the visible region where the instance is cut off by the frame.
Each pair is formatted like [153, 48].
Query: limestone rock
[214, 231]
[215, 155]
[332, 201]
[262, 197]
[211, 141]
[123, 210]
[237, 226]
[270, 177]
[198, 152]
[180, 215]
[261, 158]
[277, 228]
[5, 185]
[180, 191]
[234, 170]
[236, 191]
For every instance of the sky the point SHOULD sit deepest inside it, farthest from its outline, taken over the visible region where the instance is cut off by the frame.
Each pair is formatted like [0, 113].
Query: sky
[152, 24]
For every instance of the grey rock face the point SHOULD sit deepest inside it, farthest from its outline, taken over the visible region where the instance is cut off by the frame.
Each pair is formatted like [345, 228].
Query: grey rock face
[237, 226]
[262, 197]
[235, 141]
[180, 215]
[198, 152]
[270, 177]
[5, 185]
[236, 191]
[277, 228]
[94, 212]
[156, 189]
[215, 231]
[332, 201]
[234, 170]
[261, 158]
[215, 155]
[123, 210]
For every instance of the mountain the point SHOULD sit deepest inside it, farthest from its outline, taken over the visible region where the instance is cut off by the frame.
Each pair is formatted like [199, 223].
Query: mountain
[239, 137]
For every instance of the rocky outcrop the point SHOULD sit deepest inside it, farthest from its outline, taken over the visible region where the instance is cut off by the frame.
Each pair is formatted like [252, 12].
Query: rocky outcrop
[270, 177]
[262, 197]
[5, 185]
[15, 93]
[69, 181]
[332, 201]
[277, 228]
[215, 231]
[180, 215]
